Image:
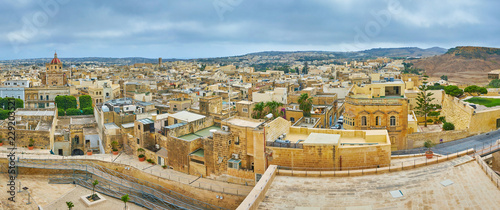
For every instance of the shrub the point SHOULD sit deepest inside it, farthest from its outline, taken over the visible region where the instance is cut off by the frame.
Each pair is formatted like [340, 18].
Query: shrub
[141, 156]
[164, 166]
[61, 112]
[433, 114]
[88, 111]
[149, 160]
[442, 119]
[85, 101]
[447, 126]
[73, 111]
[430, 120]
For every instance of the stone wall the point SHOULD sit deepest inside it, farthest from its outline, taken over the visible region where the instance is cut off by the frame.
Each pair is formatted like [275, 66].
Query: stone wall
[363, 156]
[244, 174]
[416, 140]
[308, 157]
[456, 112]
[277, 127]
[41, 138]
[496, 161]
[178, 151]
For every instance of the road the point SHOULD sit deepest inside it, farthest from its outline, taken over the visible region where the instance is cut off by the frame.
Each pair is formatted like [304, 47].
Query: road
[476, 142]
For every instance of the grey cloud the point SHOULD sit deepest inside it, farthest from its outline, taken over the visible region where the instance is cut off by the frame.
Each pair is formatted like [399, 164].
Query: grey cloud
[194, 28]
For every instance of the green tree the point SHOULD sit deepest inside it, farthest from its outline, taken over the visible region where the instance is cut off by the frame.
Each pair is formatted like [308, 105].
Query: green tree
[93, 188]
[70, 205]
[65, 102]
[494, 83]
[444, 77]
[73, 111]
[88, 111]
[424, 99]
[258, 110]
[4, 114]
[305, 69]
[305, 104]
[475, 89]
[453, 90]
[4, 103]
[85, 101]
[447, 126]
[273, 108]
[61, 112]
[125, 199]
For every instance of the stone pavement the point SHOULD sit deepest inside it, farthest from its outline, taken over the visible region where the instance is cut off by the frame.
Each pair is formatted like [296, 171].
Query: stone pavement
[74, 196]
[132, 161]
[421, 189]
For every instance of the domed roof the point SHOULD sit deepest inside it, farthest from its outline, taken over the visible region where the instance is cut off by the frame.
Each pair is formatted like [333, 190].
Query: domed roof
[55, 60]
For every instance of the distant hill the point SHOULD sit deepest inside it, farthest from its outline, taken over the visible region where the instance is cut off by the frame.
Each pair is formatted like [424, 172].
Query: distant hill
[466, 65]
[405, 52]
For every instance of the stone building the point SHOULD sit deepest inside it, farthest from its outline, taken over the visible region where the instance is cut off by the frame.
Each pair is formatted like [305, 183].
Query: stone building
[210, 105]
[43, 97]
[36, 124]
[54, 74]
[379, 106]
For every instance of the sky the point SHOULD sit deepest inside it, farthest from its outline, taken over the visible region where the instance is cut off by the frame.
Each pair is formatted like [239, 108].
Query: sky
[216, 28]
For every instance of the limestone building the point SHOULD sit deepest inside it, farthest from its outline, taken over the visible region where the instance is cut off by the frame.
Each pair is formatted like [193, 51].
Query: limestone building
[379, 106]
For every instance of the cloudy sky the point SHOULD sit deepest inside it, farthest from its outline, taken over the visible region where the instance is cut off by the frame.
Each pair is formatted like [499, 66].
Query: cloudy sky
[212, 28]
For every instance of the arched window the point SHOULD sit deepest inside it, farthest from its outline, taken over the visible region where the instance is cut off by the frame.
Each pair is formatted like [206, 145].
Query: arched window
[378, 120]
[393, 121]
[363, 121]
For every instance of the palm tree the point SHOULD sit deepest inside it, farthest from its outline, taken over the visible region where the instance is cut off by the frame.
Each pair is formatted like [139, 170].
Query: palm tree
[125, 199]
[70, 205]
[305, 104]
[93, 188]
[273, 108]
[257, 110]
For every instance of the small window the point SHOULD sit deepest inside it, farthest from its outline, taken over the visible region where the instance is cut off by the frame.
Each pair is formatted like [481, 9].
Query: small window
[377, 120]
[139, 127]
[393, 121]
[292, 119]
[138, 141]
[245, 110]
[237, 140]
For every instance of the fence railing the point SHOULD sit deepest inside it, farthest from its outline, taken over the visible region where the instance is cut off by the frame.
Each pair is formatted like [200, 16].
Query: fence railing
[445, 150]
[494, 177]
[371, 169]
[165, 175]
[165, 196]
[284, 145]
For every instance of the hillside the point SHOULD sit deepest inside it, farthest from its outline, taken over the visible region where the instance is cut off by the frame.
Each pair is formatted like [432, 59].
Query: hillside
[465, 65]
[405, 52]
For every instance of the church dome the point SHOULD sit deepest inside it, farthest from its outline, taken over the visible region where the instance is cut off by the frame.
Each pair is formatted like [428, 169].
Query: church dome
[55, 60]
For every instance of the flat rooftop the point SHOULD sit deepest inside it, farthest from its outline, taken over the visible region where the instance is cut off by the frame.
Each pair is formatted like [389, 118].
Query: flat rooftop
[36, 113]
[199, 134]
[322, 138]
[244, 123]
[421, 189]
[187, 116]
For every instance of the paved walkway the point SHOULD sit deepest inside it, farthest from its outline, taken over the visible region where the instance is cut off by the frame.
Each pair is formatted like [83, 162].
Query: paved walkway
[75, 194]
[421, 189]
[132, 161]
[475, 142]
